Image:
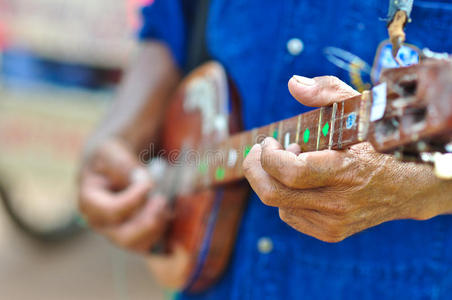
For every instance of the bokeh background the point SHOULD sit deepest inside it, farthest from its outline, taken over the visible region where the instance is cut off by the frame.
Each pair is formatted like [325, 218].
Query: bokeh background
[60, 62]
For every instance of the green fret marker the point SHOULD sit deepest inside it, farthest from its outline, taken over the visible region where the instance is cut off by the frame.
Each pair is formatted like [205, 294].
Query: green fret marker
[325, 129]
[247, 151]
[275, 134]
[220, 173]
[203, 167]
[306, 135]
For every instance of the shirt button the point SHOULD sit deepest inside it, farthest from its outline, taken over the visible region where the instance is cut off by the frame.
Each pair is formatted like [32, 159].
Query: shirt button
[295, 46]
[264, 245]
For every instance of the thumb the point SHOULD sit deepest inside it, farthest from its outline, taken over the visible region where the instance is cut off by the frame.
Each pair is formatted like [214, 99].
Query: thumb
[320, 91]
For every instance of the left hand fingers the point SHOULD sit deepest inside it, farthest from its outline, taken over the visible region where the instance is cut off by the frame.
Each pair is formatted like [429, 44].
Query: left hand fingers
[320, 212]
[304, 171]
[269, 190]
[274, 193]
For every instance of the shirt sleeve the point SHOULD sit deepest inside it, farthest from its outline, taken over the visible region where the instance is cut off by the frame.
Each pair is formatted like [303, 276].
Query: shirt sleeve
[163, 20]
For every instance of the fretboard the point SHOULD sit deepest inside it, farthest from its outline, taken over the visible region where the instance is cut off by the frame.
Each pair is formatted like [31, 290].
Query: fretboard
[334, 127]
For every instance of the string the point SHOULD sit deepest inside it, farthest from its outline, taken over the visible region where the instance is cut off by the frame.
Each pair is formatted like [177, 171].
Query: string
[267, 127]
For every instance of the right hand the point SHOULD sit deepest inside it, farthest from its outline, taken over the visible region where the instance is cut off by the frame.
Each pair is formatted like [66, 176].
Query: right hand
[116, 203]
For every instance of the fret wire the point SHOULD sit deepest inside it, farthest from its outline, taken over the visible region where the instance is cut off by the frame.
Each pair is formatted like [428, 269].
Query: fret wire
[221, 155]
[223, 161]
[228, 155]
[339, 143]
[286, 138]
[319, 127]
[214, 165]
[297, 136]
[253, 136]
[333, 123]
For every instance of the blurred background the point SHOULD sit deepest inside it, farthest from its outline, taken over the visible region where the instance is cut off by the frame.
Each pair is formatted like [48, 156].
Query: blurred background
[60, 61]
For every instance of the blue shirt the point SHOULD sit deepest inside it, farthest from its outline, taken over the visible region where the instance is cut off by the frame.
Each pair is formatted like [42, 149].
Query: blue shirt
[401, 259]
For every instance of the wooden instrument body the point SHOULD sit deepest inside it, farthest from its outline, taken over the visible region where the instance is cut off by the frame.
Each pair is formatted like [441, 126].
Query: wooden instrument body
[416, 117]
[202, 234]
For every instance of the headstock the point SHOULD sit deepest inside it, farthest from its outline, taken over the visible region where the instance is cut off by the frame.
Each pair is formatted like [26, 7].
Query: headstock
[411, 113]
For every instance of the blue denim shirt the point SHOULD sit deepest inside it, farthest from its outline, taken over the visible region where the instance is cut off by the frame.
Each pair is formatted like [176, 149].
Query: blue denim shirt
[401, 259]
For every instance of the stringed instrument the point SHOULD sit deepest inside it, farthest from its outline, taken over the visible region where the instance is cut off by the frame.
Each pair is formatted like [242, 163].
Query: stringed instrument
[408, 114]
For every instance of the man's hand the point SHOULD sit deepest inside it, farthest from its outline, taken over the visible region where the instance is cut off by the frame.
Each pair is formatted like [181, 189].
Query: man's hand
[331, 195]
[114, 191]
[114, 187]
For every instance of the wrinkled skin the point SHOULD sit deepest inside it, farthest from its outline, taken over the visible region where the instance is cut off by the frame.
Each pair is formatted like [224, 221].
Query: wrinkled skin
[331, 195]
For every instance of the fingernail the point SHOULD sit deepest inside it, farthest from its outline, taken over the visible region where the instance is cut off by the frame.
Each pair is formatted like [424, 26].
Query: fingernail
[265, 141]
[304, 80]
[139, 175]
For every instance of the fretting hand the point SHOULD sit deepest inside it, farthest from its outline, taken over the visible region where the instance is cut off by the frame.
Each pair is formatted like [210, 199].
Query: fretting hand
[332, 195]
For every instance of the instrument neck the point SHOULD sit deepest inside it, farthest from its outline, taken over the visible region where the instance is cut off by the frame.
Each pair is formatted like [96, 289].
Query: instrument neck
[335, 127]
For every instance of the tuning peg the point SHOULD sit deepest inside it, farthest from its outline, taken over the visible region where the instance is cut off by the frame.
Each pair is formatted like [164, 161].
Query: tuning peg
[443, 165]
